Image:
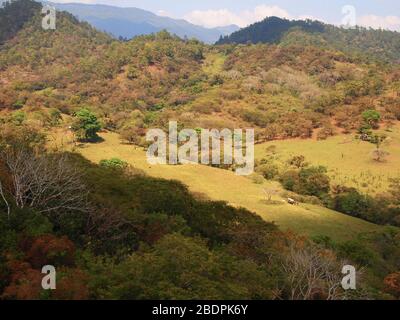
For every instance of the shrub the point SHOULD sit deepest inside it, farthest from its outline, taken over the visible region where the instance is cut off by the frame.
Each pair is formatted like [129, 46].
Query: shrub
[314, 181]
[114, 163]
[310, 181]
[55, 117]
[49, 250]
[357, 252]
[351, 202]
[289, 179]
[381, 209]
[216, 80]
[298, 162]
[269, 171]
[392, 284]
[18, 118]
[372, 118]
[325, 132]
[256, 178]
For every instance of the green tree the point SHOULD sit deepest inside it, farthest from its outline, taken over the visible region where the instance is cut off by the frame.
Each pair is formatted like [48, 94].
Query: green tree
[310, 181]
[351, 202]
[185, 268]
[372, 118]
[314, 181]
[86, 125]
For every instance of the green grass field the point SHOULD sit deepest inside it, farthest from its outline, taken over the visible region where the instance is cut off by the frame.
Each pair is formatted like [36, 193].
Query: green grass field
[218, 184]
[348, 160]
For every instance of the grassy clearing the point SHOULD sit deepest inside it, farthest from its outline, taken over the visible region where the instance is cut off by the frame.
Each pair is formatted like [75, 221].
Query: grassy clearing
[348, 160]
[224, 185]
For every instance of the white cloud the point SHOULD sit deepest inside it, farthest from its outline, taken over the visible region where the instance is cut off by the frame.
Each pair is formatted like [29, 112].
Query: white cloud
[376, 22]
[214, 18]
[263, 11]
[164, 13]
[223, 17]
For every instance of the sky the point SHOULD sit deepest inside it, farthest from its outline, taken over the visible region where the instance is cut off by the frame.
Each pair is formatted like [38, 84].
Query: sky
[211, 13]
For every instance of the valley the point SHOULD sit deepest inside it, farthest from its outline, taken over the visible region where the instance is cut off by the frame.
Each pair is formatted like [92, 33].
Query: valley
[78, 193]
[224, 185]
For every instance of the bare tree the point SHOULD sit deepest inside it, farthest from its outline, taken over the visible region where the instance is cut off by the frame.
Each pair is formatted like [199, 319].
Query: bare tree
[379, 155]
[312, 272]
[269, 193]
[48, 183]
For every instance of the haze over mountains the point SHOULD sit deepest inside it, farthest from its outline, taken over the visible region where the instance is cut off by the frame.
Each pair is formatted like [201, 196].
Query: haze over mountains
[131, 22]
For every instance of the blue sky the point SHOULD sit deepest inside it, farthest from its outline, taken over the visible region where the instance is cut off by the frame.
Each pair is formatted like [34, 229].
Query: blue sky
[375, 13]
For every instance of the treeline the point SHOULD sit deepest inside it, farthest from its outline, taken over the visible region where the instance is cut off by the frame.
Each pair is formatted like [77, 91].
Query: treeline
[312, 184]
[270, 30]
[14, 15]
[378, 44]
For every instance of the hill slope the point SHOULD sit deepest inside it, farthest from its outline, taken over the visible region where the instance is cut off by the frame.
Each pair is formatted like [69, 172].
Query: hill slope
[378, 43]
[130, 86]
[217, 184]
[283, 92]
[14, 16]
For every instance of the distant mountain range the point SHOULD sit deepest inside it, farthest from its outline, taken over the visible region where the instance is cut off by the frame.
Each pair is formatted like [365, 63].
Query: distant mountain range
[131, 22]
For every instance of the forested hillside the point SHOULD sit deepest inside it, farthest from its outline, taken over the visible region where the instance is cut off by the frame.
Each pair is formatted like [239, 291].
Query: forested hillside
[143, 82]
[116, 232]
[378, 44]
[14, 16]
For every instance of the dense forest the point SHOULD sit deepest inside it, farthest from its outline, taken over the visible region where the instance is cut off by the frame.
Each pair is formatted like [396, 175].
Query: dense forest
[103, 224]
[378, 44]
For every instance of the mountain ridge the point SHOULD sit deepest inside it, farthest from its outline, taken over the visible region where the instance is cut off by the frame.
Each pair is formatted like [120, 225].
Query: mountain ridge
[130, 22]
[379, 44]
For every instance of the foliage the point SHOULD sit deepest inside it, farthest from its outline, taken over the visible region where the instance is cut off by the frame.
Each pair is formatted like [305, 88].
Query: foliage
[380, 209]
[18, 117]
[311, 181]
[228, 248]
[114, 163]
[102, 227]
[372, 118]
[164, 271]
[270, 30]
[359, 40]
[392, 284]
[162, 76]
[13, 16]
[86, 125]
